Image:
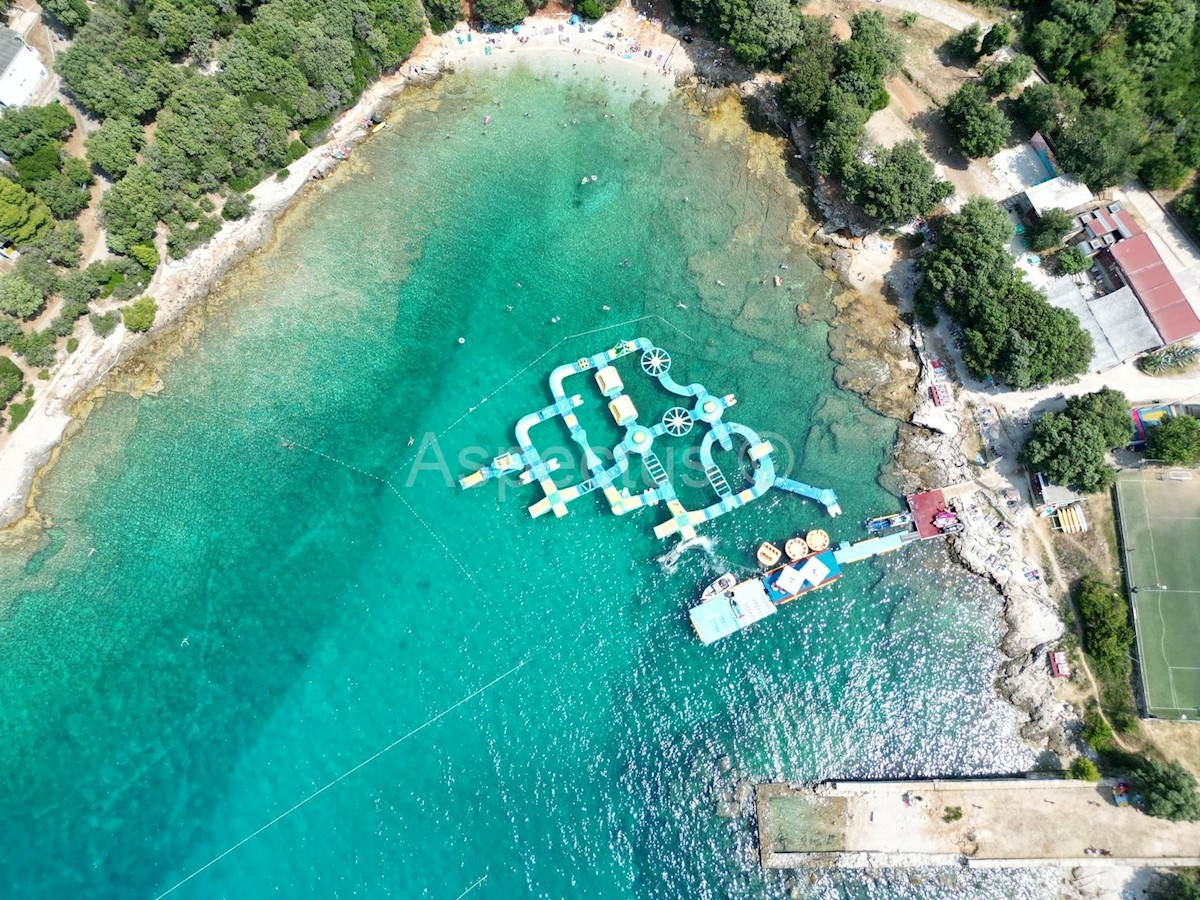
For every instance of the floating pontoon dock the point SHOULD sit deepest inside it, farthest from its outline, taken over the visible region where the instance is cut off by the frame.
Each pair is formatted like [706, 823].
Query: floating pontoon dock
[700, 408]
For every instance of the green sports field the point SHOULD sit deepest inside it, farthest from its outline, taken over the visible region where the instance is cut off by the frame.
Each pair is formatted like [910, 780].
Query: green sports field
[1158, 512]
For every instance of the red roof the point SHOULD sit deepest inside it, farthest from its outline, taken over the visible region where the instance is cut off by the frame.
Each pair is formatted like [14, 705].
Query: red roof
[1100, 222]
[1155, 287]
[924, 507]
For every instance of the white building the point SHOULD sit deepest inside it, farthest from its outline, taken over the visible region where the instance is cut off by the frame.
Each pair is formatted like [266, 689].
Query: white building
[21, 70]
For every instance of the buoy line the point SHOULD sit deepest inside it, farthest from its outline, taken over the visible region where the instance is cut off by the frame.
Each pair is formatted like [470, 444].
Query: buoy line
[370, 759]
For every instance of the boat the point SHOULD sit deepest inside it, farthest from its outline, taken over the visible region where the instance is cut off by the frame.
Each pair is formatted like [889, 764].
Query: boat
[881, 524]
[720, 586]
[752, 600]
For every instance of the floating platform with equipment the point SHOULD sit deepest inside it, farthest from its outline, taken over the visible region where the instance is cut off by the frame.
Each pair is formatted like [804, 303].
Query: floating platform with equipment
[699, 408]
[727, 608]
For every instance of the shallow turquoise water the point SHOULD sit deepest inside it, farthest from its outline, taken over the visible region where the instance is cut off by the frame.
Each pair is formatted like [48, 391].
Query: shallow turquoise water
[337, 595]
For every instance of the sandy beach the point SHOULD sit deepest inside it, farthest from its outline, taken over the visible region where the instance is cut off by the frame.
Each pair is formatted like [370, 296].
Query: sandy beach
[544, 42]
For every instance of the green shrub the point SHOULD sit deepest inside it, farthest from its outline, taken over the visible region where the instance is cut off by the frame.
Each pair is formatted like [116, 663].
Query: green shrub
[964, 46]
[1168, 790]
[236, 207]
[1096, 732]
[37, 347]
[952, 814]
[146, 256]
[1179, 356]
[1107, 634]
[104, 323]
[1071, 261]
[10, 380]
[72, 344]
[1176, 441]
[296, 149]
[1083, 769]
[1071, 447]
[1049, 230]
[18, 412]
[313, 133]
[283, 174]
[139, 315]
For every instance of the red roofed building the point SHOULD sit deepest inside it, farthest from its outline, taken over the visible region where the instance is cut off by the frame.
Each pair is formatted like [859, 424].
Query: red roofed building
[1135, 262]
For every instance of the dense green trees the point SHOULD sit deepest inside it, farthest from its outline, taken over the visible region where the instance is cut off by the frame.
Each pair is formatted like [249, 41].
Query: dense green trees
[809, 76]
[1071, 447]
[25, 130]
[760, 33]
[1049, 230]
[444, 13]
[834, 88]
[1181, 886]
[997, 36]
[1098, 148]
[71, 13]
[501, 12]
[896, 185]
[1003, 77]
[10, 380]
[281, 64]
[131, 208]
[1136, 83]
[1071, 261]
[1107, 633]
[114, 146]
[964, 46]
[981, 128]
[23, 217]
[1176, 441]
[1009, 328]
[19, 298]
[1168, 790]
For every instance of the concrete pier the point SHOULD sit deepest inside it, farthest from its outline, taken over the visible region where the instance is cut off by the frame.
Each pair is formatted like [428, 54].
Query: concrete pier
[1009, 822]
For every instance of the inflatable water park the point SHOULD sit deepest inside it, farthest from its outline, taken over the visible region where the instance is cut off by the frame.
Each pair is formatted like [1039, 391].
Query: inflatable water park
[727, 605]
[698, 408]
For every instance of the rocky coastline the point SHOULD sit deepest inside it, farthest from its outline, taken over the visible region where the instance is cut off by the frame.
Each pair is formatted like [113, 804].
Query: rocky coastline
[880, 355]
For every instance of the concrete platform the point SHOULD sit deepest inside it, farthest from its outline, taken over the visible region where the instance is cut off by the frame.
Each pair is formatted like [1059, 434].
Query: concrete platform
[1005, 823]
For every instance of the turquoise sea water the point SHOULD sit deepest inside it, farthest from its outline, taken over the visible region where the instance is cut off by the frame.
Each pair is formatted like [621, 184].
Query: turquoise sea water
[281, 587]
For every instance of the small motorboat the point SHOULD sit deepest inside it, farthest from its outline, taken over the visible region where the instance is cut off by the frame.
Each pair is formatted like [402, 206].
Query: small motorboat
[720, 586]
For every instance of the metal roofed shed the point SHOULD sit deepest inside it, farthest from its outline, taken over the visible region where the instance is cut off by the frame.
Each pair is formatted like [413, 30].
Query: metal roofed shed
[1125, 323]
[1064, 294]
[1057, 193]
[732, 611]
[1119, 327]
[21, 69]
[1142, 268]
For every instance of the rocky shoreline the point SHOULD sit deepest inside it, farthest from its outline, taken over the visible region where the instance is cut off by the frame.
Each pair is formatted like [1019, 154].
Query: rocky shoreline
[880, 354]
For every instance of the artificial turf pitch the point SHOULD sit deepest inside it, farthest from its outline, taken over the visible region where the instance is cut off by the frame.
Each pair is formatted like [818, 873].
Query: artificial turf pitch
[1159, 518]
